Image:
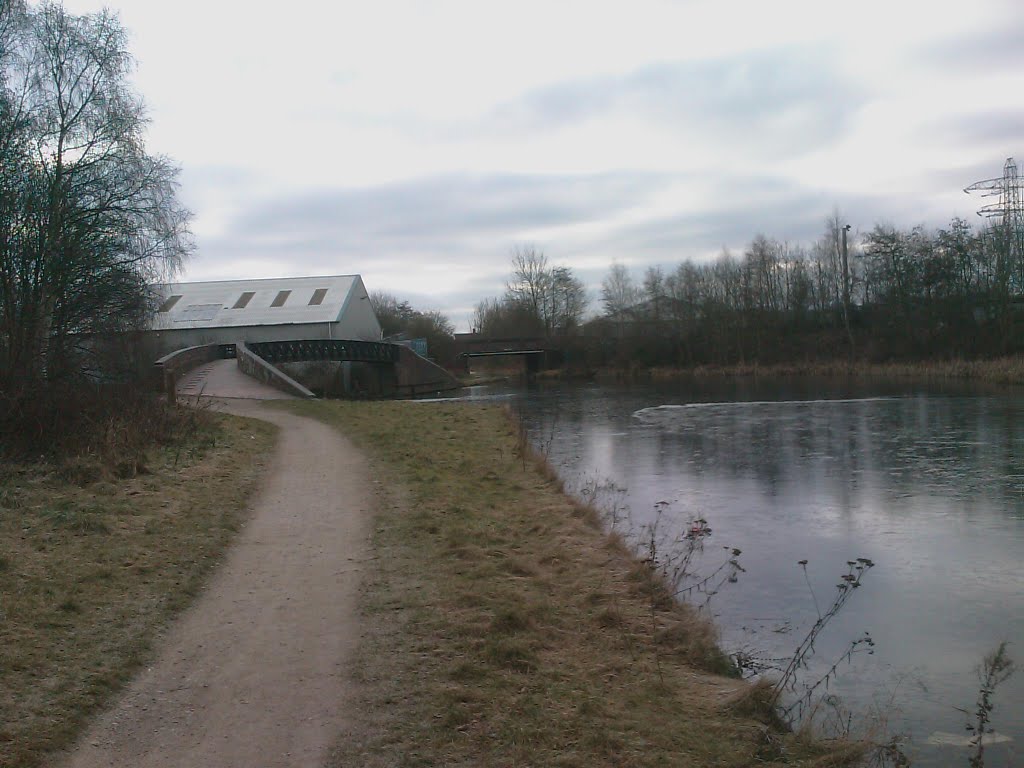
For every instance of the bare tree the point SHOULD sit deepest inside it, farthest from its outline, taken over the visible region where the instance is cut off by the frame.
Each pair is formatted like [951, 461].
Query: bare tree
[89, 218]
[506, 318]
[654, 292]
[619, 293]
[763, 260]
[553, 296]
[568, 300]
[530, 281]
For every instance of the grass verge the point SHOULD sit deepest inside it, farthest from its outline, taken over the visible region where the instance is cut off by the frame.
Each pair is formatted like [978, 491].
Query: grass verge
[503, 628]
[91, 569]
[1003, 371]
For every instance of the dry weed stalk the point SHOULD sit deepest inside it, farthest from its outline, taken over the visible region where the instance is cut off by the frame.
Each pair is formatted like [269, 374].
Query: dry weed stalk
[849, 582]
[996, 668]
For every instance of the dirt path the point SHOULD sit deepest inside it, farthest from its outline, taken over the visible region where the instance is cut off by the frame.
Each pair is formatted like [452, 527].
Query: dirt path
[256, 672]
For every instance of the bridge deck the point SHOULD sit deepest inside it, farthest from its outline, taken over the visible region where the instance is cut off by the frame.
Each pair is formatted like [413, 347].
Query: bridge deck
[221, 378]
[504, 353]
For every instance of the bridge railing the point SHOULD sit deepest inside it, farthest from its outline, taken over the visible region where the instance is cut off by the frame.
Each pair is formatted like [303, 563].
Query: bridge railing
[253, 365]
[326, 349]
[172, 367]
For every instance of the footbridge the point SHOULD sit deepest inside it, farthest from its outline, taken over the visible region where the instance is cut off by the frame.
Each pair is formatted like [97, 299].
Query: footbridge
[372, 368]
[536, 352]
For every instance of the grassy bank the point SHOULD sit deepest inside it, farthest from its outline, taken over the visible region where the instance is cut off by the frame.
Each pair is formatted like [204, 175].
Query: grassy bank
[94, 562]
[504, 628]
[1002, 371]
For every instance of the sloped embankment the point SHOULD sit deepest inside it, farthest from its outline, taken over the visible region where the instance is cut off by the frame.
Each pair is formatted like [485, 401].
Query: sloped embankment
[504, 628]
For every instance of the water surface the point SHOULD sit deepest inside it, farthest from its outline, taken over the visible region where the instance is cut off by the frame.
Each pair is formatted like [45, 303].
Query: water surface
[928, 484]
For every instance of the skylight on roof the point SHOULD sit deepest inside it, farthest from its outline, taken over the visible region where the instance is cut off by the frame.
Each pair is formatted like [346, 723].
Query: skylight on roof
[169, 303]
[318, 297]
[280, 299]
[198, 313]
[244, 300]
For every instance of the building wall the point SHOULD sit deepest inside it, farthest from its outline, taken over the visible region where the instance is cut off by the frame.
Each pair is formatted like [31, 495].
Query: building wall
[357, 318]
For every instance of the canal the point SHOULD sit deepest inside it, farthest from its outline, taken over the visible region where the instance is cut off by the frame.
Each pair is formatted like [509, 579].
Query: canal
[926, 482]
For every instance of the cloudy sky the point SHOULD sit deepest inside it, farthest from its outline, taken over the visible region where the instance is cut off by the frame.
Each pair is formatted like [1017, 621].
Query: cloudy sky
[418, 141]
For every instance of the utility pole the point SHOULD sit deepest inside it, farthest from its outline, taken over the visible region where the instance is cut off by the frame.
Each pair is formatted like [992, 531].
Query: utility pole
[846, 288]
[846, 273]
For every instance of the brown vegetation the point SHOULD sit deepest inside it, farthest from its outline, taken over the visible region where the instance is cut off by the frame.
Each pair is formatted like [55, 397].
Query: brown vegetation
[106, 425]
[100, 549]
[505, 628]
[999, 371]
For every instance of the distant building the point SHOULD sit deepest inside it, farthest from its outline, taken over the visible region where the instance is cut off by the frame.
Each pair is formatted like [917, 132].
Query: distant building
[273, 309]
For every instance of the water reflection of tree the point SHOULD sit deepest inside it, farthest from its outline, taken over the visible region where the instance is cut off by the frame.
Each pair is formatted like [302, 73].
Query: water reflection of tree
[853, 452]
[895, 449]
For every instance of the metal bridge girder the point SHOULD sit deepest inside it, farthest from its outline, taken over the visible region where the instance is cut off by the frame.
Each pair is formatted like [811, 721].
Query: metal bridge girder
[338, 350]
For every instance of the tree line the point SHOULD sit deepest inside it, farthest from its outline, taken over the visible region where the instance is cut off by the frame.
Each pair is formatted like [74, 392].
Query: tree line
[898, 294]
[953, 291]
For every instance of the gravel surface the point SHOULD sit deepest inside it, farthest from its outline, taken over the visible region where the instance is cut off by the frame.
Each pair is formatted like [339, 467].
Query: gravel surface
[256, 672]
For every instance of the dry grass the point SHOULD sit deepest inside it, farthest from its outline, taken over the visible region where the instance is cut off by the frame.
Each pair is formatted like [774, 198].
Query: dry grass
[999, 371]
[90, 570]
[505, 629]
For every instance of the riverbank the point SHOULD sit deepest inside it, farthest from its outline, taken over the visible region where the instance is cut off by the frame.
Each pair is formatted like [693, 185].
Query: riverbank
[503, 627]
[92, 569]
[1005, 371]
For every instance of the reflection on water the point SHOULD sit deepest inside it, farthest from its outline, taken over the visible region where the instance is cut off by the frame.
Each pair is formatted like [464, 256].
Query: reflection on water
[957, 449]
[928, 486]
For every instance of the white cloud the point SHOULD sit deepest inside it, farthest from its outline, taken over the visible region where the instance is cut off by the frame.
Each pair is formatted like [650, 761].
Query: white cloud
[347, 134]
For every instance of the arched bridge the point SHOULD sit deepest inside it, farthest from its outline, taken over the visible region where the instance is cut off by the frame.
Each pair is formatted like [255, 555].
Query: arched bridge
[395, 369]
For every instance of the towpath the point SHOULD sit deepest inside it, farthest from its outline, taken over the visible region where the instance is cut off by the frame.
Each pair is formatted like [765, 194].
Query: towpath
[257, 672]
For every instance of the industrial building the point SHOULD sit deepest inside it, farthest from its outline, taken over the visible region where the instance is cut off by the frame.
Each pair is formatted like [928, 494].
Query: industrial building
[272, 309]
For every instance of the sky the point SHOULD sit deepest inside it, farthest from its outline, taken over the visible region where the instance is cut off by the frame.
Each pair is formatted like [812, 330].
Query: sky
[418, 142]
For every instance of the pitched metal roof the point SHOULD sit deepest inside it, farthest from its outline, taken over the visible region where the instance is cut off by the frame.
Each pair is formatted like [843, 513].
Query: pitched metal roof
[271, 301]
